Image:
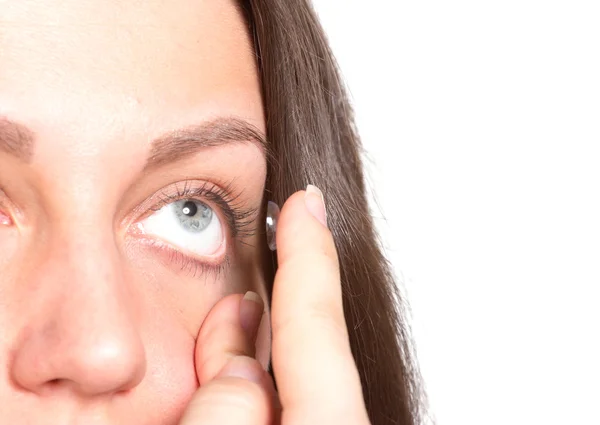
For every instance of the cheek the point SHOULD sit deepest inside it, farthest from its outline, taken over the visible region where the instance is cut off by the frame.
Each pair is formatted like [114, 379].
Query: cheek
[186, 298]
[170, 379]
[172, 310]
[174, 307]
[182, 298]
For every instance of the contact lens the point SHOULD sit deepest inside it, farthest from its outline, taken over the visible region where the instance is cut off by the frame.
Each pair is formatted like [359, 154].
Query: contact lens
[272, 218]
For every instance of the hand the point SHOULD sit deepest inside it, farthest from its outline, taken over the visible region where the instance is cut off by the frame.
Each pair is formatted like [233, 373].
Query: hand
[317, 379]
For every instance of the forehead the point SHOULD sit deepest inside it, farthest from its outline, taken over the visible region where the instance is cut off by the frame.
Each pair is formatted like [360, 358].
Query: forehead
[155, 63]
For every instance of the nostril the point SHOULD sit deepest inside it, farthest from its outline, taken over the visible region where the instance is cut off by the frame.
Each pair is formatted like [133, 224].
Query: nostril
[53, 384]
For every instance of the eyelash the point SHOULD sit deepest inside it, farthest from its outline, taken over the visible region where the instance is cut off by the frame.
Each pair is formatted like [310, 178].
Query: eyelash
[194, 267]
[238, 217]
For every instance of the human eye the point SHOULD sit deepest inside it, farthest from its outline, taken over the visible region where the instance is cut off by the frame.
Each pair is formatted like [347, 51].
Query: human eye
[194, 222]
[189, 224]
[5, 217]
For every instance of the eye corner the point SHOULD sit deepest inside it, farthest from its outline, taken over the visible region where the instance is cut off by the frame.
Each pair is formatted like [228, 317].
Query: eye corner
[5, 220]
[136, 228]
[6, 207]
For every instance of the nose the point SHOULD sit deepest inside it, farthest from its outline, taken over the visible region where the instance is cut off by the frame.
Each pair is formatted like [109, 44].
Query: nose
[80, 332]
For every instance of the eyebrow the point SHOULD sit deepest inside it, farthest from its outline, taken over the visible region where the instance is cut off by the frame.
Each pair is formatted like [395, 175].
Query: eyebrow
[16, 139]
[19, 141]
[179, 144]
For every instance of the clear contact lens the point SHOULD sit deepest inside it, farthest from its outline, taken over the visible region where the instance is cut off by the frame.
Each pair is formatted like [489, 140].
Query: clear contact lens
[272, 218]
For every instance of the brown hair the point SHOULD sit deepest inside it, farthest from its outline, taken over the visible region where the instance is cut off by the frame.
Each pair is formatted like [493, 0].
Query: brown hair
[312, 139]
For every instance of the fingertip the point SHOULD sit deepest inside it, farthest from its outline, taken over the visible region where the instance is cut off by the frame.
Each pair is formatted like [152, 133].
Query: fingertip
[224, 310]
[222, 336]
[309, 203]
[292, 206]
[303, 223]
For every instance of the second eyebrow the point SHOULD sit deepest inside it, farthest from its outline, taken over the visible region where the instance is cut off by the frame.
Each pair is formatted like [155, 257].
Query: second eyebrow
[16, 139]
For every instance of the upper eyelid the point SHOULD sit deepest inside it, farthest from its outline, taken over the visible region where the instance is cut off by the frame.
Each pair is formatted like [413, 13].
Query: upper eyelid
[239, 216]
[171, 199]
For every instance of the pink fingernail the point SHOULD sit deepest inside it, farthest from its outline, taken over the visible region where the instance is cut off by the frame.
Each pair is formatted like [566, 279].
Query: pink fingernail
[315, 203]
[251, 312]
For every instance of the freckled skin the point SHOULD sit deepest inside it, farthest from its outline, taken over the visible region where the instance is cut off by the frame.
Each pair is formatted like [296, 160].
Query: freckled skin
[95, 327]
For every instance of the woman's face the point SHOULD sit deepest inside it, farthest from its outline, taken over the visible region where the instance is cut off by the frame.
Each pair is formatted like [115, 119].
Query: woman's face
[131, 172]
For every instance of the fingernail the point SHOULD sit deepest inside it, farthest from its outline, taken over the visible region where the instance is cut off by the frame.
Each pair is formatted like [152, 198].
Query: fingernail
[251, 312]
[315, 203]
[243, 367]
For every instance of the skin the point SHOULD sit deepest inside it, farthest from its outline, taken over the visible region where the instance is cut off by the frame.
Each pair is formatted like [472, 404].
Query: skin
[98, 325]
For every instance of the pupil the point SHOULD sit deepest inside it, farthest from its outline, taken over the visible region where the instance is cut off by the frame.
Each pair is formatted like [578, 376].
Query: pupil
[189, 208]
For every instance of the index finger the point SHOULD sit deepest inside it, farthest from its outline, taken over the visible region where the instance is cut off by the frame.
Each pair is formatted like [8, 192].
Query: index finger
[317, 378]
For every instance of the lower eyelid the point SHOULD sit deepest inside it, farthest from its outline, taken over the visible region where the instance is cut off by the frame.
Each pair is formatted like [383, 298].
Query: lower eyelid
[172, 256]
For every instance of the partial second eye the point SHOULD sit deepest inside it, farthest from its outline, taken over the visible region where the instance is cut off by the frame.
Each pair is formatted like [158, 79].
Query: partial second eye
[189, 225]
[4, 219]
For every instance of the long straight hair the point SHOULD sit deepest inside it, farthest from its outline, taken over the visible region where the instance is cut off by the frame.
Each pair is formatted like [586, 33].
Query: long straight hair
[312, 139]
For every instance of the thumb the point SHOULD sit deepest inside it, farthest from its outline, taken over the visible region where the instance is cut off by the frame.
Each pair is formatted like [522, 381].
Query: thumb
[240, 394]
[234, 388]
[229, 330]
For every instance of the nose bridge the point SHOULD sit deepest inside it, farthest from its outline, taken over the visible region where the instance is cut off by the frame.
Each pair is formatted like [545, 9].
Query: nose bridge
[86, 334]
[79, 233]
[85, 245]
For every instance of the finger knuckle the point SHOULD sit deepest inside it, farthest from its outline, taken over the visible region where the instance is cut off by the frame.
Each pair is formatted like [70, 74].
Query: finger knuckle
[320, 316]
[234, 398]
[317, 316]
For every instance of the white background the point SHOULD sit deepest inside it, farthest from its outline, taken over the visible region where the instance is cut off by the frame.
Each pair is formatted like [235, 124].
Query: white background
[481, 120]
